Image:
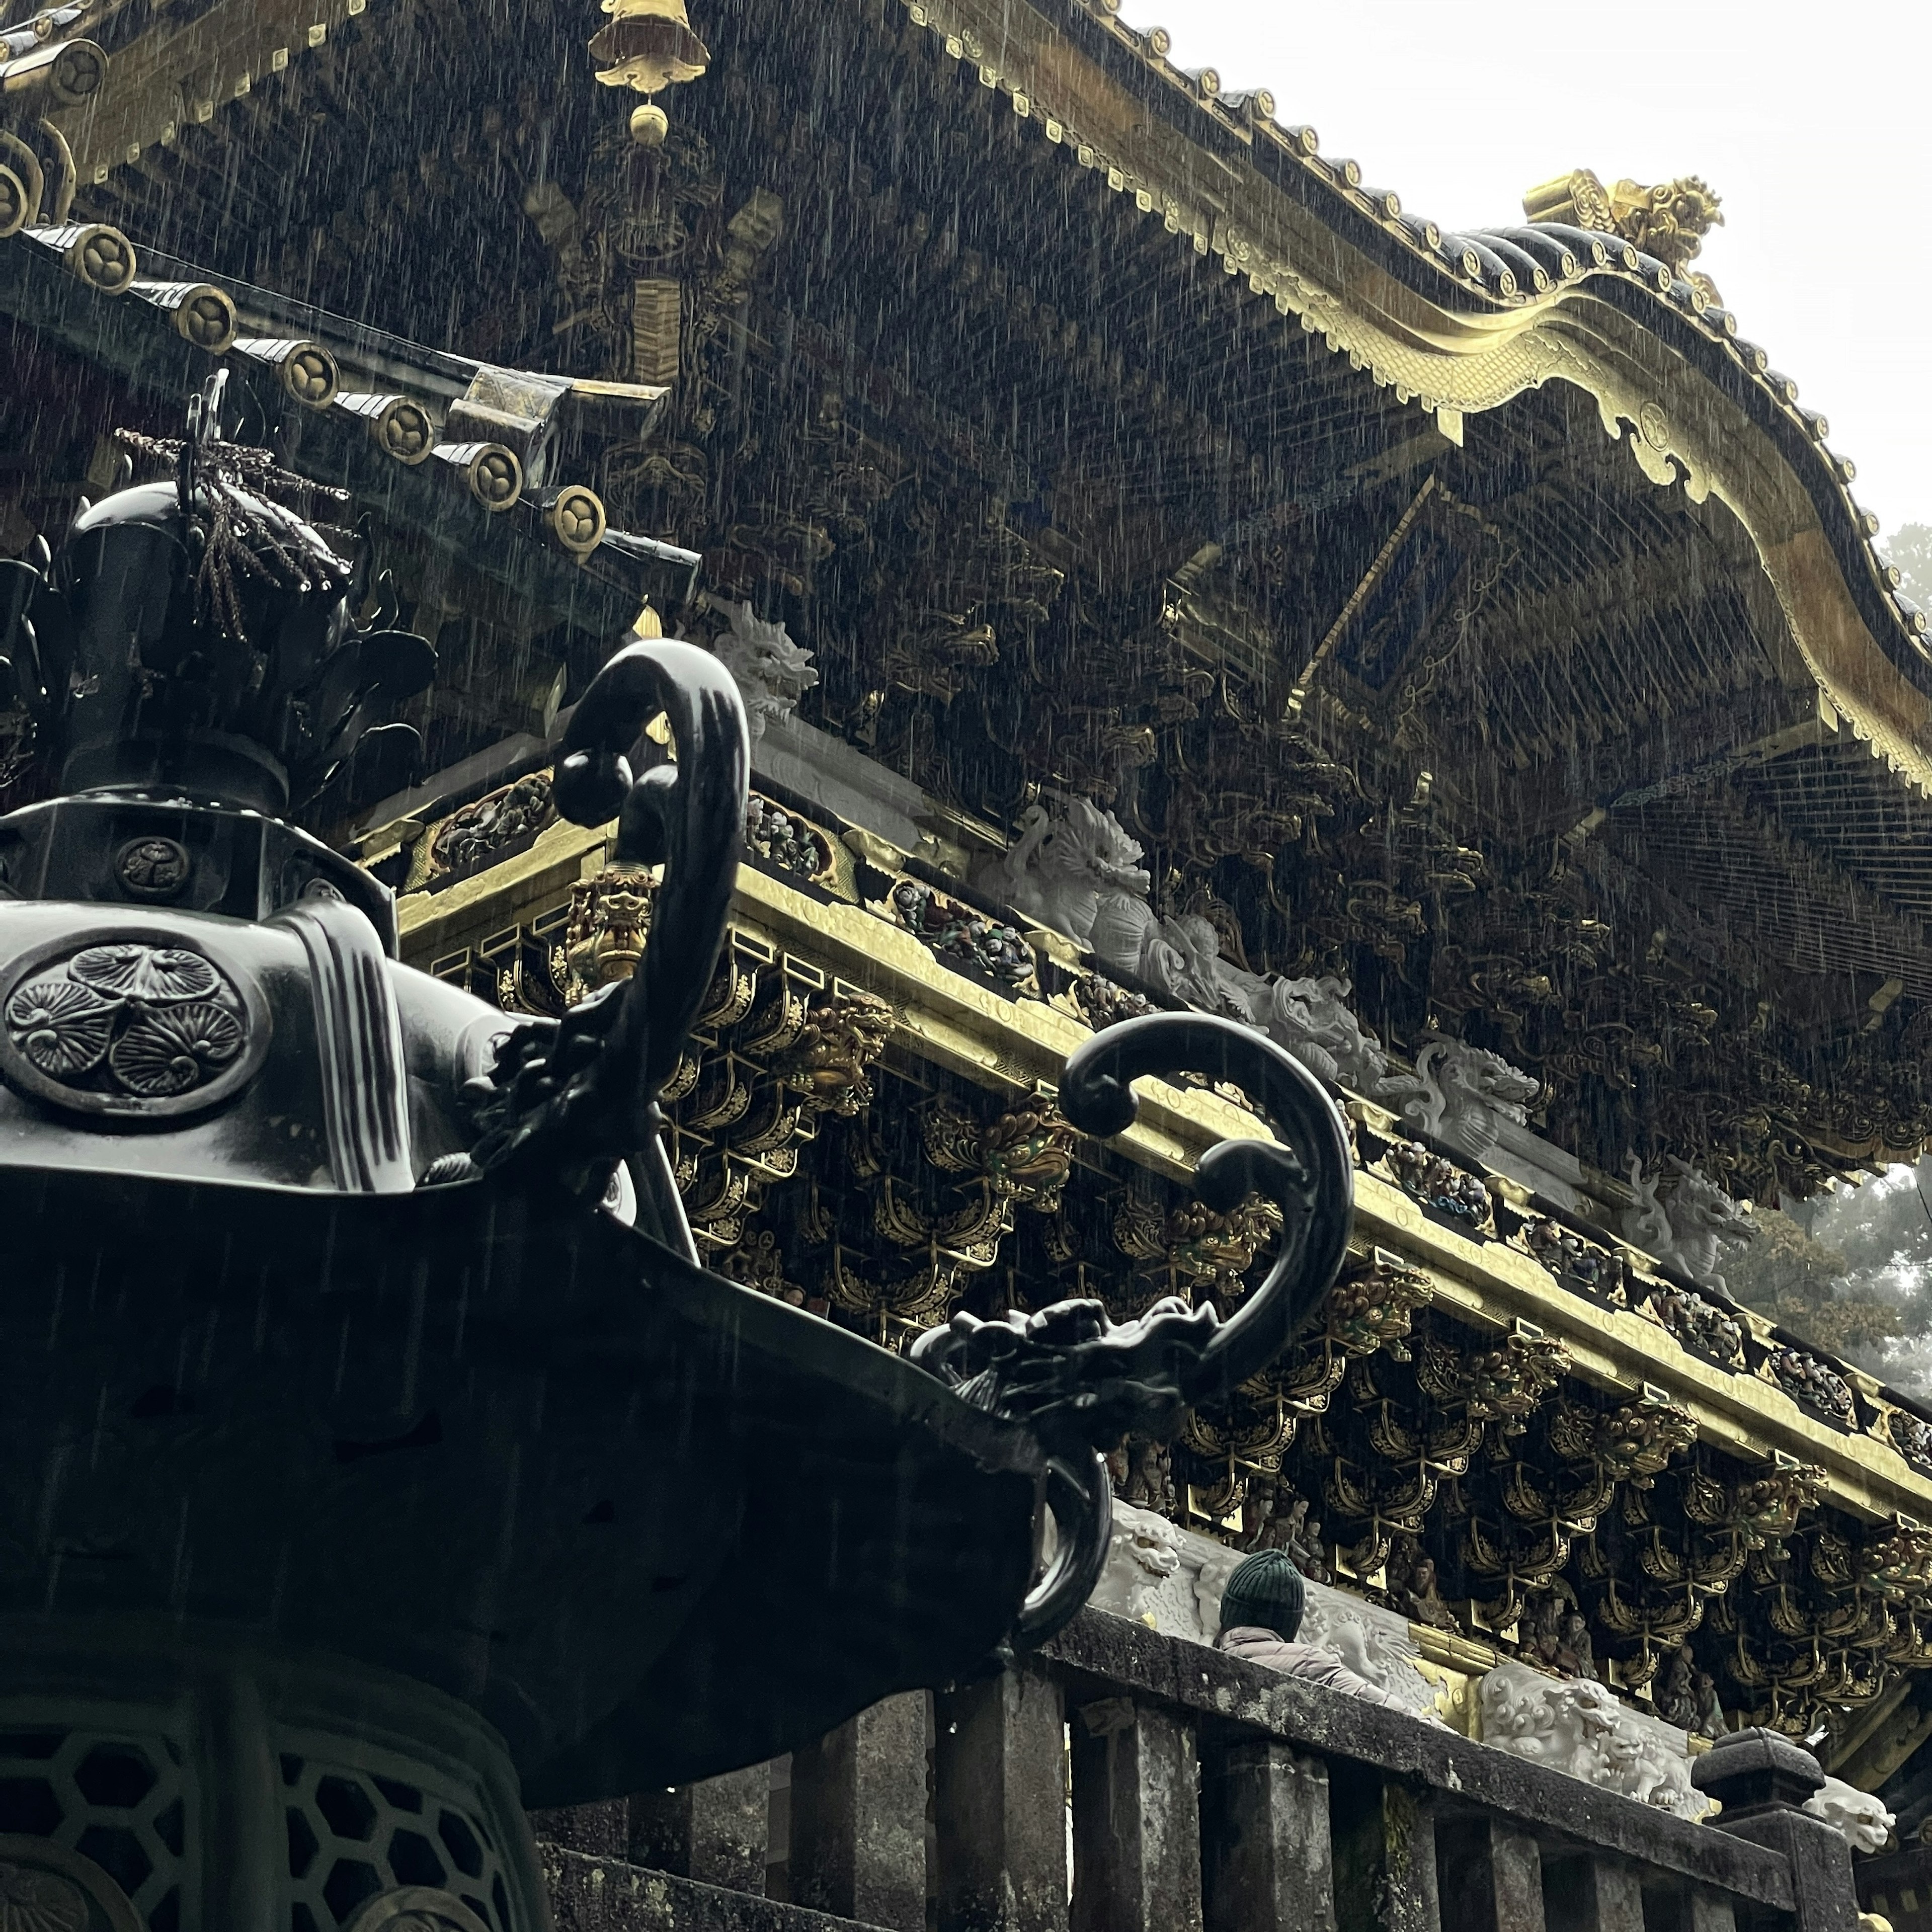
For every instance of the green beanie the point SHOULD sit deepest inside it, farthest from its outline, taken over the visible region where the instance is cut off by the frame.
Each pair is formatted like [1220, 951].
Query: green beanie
[1266, 1590]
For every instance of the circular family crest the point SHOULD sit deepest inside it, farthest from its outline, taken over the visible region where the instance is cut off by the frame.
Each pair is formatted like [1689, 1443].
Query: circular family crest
[417, 1908]
[44, 1889]
[153, 868]
[137, 1026]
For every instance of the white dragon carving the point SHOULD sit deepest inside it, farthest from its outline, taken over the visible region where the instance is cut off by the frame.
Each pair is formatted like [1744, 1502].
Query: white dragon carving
[1462, 1095]
[1683, 1217]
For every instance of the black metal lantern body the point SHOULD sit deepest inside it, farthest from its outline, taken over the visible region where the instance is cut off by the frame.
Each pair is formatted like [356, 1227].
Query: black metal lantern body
[368, 1426]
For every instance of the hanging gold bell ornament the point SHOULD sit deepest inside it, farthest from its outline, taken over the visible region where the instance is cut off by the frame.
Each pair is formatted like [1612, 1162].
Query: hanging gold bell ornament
[648, 45]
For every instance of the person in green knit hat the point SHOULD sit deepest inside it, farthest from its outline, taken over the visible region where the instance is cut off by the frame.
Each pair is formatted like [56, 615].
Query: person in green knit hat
[1260, 1613]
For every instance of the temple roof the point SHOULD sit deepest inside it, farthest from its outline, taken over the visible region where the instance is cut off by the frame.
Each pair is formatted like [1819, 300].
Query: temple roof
[1414, 595]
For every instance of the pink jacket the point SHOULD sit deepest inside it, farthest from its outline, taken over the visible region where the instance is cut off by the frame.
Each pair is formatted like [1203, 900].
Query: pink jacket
[1301, 1660]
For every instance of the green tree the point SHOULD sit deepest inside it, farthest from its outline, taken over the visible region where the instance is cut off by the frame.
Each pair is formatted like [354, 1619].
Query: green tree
[1910, 548]
[1803, 1285]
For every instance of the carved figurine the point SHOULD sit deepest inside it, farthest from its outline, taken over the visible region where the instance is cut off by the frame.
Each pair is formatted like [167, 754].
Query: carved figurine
[1411, 1573]
[1148, 1475]
[1462, 1095]
[1304, 1545]
[1579, 1728]
[1700, 1324]
[1544, 1641]
[1576, 1655]
[1677, 1701]
[1685, 1220]
[1182, 958]
[1710, 1711]
[771, 672]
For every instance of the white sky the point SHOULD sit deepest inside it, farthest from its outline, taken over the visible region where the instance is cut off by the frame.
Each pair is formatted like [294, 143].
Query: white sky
[1808, 122]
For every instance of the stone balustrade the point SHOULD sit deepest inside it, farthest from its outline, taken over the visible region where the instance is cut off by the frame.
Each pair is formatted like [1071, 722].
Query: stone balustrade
[1123, 1781]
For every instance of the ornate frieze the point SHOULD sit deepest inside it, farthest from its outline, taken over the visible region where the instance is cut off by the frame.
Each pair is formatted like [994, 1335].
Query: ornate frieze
[1467, 1480]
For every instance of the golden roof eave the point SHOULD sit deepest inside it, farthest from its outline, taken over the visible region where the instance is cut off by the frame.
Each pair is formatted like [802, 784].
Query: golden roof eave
[1465, 357]
[955, 1022]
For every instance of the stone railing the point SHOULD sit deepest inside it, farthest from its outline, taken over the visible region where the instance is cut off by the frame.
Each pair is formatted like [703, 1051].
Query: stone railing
[1126, 1781]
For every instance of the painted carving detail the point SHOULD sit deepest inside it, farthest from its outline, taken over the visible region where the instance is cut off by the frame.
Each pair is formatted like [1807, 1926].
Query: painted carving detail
[474, 836]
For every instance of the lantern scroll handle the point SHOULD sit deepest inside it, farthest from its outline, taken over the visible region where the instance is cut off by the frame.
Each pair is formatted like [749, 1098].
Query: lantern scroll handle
[1082, 1380]
[575, 1094]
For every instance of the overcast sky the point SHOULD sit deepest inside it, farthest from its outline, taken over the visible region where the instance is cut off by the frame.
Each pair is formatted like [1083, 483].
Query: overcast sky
[1808, 122]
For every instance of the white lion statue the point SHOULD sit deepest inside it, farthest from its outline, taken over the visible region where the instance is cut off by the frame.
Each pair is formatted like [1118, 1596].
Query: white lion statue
[1859, 1817]
[1579, 1728]
[1311, 1018]
[1063, 867]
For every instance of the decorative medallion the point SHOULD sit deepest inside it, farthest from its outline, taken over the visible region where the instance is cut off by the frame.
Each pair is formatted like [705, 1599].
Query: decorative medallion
[415, 1908]
[152, 867]
[39, 1901]
[45, 1888]
[139, 1027]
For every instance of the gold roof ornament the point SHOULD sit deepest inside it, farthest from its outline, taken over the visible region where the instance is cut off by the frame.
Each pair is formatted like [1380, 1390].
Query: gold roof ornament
[648, 45]
[1669, 221]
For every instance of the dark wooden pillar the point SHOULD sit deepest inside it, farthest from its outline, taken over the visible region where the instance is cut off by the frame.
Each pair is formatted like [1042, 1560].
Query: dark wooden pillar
[1491, 1875]
[1136, 1821]
[1384, 1837]
[1593, 1894]
[714, 1831]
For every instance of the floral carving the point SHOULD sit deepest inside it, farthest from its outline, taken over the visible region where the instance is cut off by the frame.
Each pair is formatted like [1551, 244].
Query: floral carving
[176, 1048]
[127, 1022]
[63, 1027]
[128, 971]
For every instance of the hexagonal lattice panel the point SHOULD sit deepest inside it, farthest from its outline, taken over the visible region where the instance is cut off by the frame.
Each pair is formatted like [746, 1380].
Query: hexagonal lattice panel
[116, 1798]
[354, 1831]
